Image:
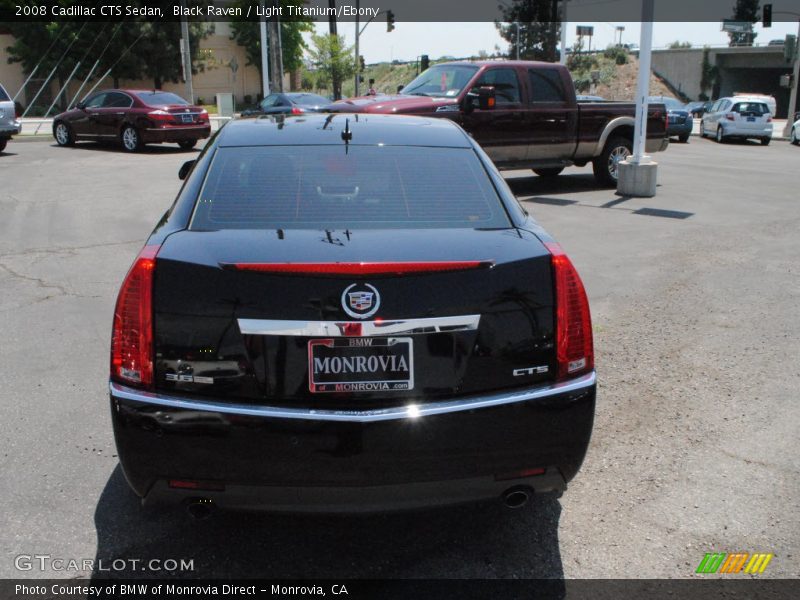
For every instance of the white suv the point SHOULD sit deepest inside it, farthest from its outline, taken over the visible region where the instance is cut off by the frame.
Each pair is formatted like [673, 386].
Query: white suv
[738, 117]
[9, 125]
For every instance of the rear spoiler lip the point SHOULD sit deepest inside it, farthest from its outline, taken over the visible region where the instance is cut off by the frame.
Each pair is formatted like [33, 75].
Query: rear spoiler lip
[351, 269]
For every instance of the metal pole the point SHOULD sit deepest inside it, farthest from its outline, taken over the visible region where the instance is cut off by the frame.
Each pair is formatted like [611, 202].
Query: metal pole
[264, 53]
[643, 85]
[563, 56]
[58, 95]
[19, 91]
[41, 89]
[85, 81]
[787, 130]
[187, 55]
[280, 47]
[358, 60]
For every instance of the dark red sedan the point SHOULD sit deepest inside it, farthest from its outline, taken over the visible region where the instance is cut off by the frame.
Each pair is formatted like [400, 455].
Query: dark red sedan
[133, 118]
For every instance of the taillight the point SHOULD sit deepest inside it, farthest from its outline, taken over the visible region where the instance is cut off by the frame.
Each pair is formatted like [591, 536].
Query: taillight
[160, 115]
[132, 333]
[769, 118]
[730, 116]
[203, 116]
[297, 111]
[574, 346]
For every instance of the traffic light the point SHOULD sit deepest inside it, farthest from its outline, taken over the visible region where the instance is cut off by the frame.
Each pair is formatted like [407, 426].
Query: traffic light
[766, 15]
[424, 62]
[361, 65]
[389, 21]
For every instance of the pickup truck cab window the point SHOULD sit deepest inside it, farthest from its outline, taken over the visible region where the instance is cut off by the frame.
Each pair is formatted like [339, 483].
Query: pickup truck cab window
[505, 83]
[546, 85]
[445, 81]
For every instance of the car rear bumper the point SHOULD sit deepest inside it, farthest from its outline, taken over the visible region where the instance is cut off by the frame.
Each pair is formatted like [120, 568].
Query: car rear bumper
[181, 133]
[656, 144]
[734, 130]
[13, 128]
[676, 129]
[255, 457]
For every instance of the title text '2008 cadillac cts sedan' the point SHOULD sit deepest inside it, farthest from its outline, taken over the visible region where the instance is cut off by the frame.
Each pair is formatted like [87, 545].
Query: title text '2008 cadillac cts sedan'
[349, 313]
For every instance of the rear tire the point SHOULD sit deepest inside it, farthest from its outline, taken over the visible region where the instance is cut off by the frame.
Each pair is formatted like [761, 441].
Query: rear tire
[553, 172]
[130, 138]
[3, 143]
[187, 144]
[795, 138]
[720, 136]
[765, 141]
[63, 134]
[684, 139]
[606, 166]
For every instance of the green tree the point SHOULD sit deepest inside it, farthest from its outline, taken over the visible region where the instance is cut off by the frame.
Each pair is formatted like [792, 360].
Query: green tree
[332, 59]
[538, 28]
[678, 45]
[745, 11]
[248, 35]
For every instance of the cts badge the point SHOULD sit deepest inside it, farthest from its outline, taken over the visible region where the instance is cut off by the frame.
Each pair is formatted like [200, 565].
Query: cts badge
[361, 300]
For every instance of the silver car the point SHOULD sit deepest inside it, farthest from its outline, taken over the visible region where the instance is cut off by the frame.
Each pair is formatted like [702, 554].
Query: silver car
[9, 124]
[737, 117]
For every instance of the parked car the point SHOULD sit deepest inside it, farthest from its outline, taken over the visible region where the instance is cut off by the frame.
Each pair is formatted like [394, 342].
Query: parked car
[680, 121]
[9, 124]
[293, 103]
[795, 135]
[736, 118]
[523, 114]
[699, 107]
[765, 98]
[319, 253]
[133, 118]
[586, 98]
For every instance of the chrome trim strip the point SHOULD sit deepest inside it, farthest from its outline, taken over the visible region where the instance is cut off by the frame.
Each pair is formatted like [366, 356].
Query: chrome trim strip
[368, 328]
[410, 411]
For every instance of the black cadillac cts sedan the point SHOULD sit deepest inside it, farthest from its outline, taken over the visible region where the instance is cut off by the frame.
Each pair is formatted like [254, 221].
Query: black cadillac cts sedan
[343, 313]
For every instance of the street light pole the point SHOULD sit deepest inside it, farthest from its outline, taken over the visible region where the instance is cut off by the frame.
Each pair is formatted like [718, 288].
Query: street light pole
[187, 55]
[563, 56]
[264, 53]
[358, 60]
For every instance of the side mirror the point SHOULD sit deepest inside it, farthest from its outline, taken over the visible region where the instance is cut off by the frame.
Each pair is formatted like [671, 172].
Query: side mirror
[482, 97]
[185, 168]
[80, 105]
[400, 88]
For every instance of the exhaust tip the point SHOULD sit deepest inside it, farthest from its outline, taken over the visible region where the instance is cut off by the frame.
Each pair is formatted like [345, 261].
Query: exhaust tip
[516, 497]
[200, 508]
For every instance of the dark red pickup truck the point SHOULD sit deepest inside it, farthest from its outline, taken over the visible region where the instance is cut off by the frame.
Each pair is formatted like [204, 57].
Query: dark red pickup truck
[524, 115]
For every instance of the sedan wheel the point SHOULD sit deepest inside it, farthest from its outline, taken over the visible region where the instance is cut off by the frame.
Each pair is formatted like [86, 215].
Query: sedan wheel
[795, 138]
[131, 140]
[3, 142]
[187, 144]
[63, 135]
[720, 135]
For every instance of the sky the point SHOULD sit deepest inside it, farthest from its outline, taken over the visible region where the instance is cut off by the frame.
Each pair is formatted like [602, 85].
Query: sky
[409, 39]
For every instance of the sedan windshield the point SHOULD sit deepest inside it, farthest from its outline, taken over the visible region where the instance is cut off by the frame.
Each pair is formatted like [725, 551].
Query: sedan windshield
[309, 100]
[366, 187]
[441, 81]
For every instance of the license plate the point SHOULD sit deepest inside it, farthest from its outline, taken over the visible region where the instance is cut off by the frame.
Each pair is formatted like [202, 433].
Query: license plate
[354, 364]
[751, 119]
[187, 118]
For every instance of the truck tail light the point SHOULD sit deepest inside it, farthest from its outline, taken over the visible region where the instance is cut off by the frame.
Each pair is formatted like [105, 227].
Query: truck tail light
[132, 331]
[574, 344]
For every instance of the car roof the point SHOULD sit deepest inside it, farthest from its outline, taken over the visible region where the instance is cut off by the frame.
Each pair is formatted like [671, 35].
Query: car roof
[326, 129]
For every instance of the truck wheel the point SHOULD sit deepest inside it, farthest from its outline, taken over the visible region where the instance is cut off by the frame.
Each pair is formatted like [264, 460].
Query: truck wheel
[765, 141]
[606, 166]
[3, 142]
[553, 172]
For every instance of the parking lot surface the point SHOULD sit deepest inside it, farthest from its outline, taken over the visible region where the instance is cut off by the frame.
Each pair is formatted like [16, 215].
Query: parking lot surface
[696, 306]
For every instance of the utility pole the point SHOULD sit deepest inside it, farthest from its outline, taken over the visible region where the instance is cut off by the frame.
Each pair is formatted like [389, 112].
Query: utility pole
[187, 54]
[563, 55]
[787, 130]
[276, 83]
[358, 60]
[264, 53]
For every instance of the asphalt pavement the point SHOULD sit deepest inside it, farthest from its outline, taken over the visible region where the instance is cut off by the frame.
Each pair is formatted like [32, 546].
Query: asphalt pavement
[695, 297]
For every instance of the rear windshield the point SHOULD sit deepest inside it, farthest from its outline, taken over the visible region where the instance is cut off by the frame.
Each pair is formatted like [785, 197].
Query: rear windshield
[160, 98]
[309, 100]
[368, 187]
[3, 96]
[752, 108]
